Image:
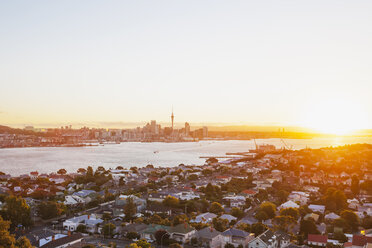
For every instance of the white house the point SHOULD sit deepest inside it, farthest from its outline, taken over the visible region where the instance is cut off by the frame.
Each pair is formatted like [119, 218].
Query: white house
[89, 221]
[204, 218]
[289, 204]
[317, 208]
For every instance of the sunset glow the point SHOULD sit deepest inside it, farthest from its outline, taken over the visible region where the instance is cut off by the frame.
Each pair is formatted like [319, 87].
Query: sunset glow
[335, 116]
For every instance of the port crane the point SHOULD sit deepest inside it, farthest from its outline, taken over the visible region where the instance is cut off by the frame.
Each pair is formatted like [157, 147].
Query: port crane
[283, 142]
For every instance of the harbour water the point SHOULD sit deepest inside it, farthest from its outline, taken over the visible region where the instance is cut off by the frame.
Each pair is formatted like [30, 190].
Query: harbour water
[16, 161]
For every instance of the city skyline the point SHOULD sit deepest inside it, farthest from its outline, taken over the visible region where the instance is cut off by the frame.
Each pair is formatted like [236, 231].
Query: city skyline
[248, 63]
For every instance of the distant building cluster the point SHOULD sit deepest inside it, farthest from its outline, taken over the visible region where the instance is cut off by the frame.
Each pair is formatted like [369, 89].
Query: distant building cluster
[151, 132]
[67, 136]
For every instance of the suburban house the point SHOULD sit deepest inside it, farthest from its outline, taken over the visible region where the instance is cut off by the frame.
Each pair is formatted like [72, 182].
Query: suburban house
[360, 241]
[149, 232]
[317, 239]
[182, 232]
[236, 237]
[121, 200]
[89, 221]
[204, 218]
[265, 240]
[317, 208]
[73, 240]
[228, 217]
[209, 237]
[289, 204]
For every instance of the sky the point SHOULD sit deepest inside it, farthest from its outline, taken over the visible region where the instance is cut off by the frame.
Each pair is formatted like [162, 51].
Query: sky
[303, 63]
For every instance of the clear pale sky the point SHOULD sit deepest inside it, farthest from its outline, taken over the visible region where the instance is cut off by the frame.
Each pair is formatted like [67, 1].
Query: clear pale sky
[240, 62]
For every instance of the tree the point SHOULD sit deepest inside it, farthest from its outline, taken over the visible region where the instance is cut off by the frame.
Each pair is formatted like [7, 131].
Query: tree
[17, 212]
[211, 160]
[108, 230]
[81, 171]
[290, 212]
[23, 242]
[161, 236]
[216, 208]
[355, 185]
[193, 177]
[130, 209]
[244, 226]
[308, 227]
[81, 228]
[220, 224]
[8, 240]
[143, 244]
[268, 208]
[283, 222]
[132, 235]
[335, 199]
[351, 219]
[175, 245]
[50, 209]
[261, 216]
[238, 213]
[228, 245]
[171, 201]
[282, 195]
[62, 171]
[258, 228]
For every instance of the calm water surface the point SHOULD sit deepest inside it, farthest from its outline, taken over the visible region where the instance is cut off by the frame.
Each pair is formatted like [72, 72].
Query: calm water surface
[18, 161]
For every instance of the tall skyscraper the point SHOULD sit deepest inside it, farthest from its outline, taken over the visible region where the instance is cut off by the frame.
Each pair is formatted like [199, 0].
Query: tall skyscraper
[187, 129]
[172, 118]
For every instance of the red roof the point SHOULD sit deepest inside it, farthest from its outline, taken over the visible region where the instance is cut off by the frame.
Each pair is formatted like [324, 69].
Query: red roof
[249, 192]
[317, 238]
[348, 244]
[360, 240]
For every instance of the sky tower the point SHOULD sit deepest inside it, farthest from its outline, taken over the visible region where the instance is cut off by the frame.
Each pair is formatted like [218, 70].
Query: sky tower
[172, 118]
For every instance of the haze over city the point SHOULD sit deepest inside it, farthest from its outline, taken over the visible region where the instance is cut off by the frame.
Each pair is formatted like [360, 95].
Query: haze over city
[286, 63]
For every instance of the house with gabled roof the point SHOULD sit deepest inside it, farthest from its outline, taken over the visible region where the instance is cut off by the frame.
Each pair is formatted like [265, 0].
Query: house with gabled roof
[182, 232]
[236, 237]
[317, 240]
[265, 240]
[209, 237]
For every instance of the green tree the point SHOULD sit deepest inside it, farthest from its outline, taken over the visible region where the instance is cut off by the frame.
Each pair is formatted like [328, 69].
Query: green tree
[335, 199]
[175, 245]
[355, 188]
[7, 240]
[23, 242]
[220, 224]
[50, 209]
[258, 228]
[130, 209]
[171, 201]
[81, 228]
[17, 212]
[143, 244]
[216, 208]
[283, 222]
[308, 227]
[108, 230]
[351, 219]
[261, 216]
[228, 245]
[62, 171]
[161, 237]
[132, 235]
[268, 208]
[237, 212]
[290, 212]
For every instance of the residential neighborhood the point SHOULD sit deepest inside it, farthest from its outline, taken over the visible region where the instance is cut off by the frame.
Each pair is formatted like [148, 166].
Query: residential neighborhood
[277, 198]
